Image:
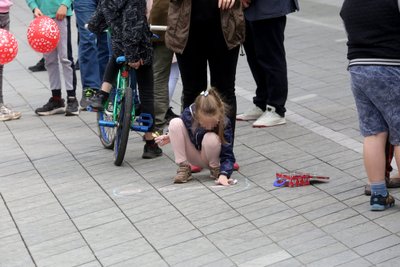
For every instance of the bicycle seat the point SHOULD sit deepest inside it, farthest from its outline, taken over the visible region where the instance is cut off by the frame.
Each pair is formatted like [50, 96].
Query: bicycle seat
[121, 59]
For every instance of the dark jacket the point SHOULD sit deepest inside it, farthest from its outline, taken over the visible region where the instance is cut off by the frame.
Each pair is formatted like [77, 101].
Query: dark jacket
[267, 9]
[196, 135]
[130, 33]
[176, 37]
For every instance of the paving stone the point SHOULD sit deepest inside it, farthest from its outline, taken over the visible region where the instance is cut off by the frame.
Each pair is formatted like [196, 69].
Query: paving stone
[110, 234]
[70, 258]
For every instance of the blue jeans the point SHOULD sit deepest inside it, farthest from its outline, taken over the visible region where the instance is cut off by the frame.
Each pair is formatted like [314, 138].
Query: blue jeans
[93, 49]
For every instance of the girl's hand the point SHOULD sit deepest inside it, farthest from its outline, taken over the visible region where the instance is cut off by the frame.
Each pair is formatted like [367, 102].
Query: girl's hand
[223, 180]
[61, 12]
[225, 4]
[136, 64]
[162, 140]
[37, 12]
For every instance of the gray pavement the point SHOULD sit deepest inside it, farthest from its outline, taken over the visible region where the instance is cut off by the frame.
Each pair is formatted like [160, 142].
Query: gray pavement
[64, 203]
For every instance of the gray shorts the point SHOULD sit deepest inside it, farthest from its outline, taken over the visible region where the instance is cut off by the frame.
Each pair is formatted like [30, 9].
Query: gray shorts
[376, 90]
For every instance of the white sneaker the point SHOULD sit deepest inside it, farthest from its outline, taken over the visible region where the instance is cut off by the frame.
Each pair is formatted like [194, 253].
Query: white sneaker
[6, 113]
[269, 118]
[250, 114]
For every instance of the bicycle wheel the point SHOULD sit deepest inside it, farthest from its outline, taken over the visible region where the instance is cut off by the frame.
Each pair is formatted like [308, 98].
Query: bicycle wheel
[123, 127]
[107, 134]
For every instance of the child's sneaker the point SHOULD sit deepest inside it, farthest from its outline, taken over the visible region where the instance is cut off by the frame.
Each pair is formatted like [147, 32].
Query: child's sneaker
[52, 107]
[183, 174]
[87, 94]
[7, 113]
[214, 172]
[379, 202]
[72, 107]
[151, 151]
[97, 101]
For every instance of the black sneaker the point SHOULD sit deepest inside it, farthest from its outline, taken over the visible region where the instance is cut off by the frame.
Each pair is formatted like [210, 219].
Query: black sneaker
[170, 115]
[151, 151]
[87, 94]
[97, 101]
[52, 107]
[38, 67]
[379, 202]
[72, 107]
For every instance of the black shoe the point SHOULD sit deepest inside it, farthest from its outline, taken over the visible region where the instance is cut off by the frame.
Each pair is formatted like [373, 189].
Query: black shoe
[379, 202]
[87, 94]
[52, 107]
[77, 65]
[170, 115]
[97, 101]
[72, 107]
[38, 67]
[151, 151]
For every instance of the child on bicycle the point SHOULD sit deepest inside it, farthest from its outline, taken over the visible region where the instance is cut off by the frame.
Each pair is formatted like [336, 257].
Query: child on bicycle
[202, 136]
[130, 37]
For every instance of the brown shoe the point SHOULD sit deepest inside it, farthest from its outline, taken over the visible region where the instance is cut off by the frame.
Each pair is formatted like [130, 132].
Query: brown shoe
[393, 183]
[183, 174]
[214, 172]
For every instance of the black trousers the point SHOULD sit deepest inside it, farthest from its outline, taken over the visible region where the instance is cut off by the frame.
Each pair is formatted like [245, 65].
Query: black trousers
[145, 82]
[266, 56]
[69, 51]
[206, 44]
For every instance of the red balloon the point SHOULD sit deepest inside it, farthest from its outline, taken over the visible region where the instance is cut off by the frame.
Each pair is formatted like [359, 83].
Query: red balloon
[43, 34]
[8, 47]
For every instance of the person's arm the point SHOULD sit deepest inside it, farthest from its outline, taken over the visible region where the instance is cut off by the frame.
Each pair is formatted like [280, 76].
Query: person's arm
[97, 23]
[34, 7]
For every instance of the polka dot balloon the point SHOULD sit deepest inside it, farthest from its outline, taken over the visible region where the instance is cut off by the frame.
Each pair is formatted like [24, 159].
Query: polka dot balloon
[8, 47]
[43, 34]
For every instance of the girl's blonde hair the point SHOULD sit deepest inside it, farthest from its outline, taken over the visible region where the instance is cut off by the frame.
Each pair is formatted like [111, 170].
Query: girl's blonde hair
[210, 104]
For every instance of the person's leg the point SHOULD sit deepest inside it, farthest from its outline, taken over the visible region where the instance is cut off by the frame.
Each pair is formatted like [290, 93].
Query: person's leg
[260, 98]
[268, 37]
[62, 50]
[193, 66]
[222, 63]
[184, 151]
[173, 80]
[67, 67]
[70, 55]
[87, 50]
[145, 81]
[371, 90]
[161, 66]
[4, 24]
[374, 156]
[210, 150]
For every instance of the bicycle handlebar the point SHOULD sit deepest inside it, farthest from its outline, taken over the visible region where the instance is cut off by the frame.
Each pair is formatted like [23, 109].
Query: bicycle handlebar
[158, 28]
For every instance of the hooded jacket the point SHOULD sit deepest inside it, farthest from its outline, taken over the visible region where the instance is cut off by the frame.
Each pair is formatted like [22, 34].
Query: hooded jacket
[176, 37]
[127, 22]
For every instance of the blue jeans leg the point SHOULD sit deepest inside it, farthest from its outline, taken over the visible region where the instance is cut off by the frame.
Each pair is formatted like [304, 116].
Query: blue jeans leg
[90, 47]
